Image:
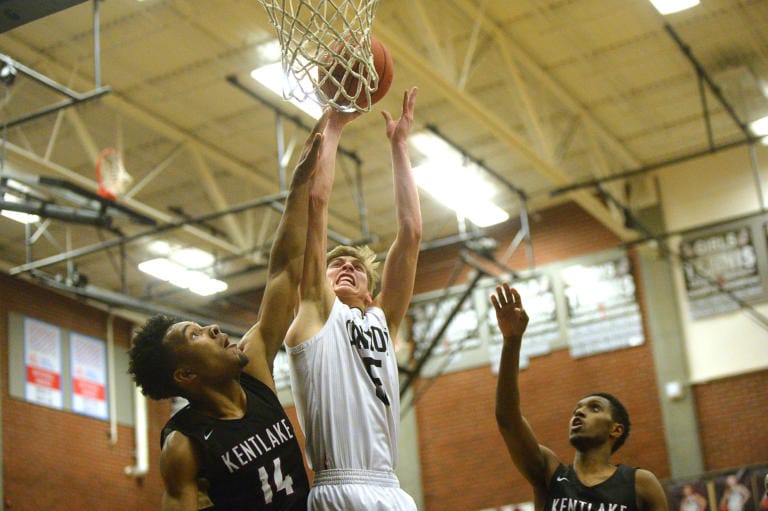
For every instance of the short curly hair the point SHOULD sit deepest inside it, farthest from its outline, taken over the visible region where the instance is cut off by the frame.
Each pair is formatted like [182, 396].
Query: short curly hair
[365, 255]
[153, 361]
[619, 414]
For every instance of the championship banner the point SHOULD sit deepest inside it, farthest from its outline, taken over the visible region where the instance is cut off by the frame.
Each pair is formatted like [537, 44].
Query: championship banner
[717, 265]
[429, 315]
[89, 376]
[538, 295]
[42, 360]
[603, 313]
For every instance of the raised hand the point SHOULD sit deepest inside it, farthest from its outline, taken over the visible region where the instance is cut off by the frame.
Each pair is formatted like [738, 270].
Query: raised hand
[398, 130]
[510, 315]
[339, 118]
[310, 153]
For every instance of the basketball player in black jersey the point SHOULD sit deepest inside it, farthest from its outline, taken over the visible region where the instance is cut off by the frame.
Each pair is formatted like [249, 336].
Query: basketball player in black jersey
[598, 427]
[233, 441]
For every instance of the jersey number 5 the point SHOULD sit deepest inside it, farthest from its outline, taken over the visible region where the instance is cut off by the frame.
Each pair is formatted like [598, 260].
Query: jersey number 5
[370, 363]
[280, 483]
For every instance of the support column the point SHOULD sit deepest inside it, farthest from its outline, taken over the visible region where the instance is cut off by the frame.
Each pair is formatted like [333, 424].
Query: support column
[678, 408]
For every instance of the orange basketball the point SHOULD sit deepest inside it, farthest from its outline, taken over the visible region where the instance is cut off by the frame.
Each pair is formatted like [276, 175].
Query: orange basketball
[382, 61]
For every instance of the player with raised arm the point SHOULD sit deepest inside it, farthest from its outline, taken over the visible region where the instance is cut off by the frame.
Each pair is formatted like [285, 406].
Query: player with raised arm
[233, 441]
[343, 365]
[599, 426]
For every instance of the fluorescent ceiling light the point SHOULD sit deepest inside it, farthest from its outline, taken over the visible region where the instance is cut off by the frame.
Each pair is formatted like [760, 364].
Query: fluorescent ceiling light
[272, 77]
[759, 127]
[672, 6]
[208, 287]
[432, 146]
[18, 216]
[159, 247]
[457, 184]
[193, 258]
[178, 275]
[461, 190]
[161, 268]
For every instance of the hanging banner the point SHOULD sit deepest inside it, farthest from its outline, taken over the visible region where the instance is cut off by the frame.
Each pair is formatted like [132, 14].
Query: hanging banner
[717, 265]
[603, 313]
[429, 316]
[89, 376]
[42, 360]
[543, 330]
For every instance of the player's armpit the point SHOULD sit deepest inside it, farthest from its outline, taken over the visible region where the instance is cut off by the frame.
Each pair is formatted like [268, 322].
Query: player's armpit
[261, 357]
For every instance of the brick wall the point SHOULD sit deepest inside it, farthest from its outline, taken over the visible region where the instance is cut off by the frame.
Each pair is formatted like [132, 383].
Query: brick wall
[59, 461]
[732, 414]
[465, 465]
[56, 460]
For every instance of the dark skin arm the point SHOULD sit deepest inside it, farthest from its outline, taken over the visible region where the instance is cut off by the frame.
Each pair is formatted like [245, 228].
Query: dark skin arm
[286, 258]
[179, 465]
[535, 462]
[316, 295]
[650, 494]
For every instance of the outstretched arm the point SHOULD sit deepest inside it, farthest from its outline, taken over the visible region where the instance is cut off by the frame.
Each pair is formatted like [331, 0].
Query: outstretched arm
[263, 340]
[316, 296]
[399, 271]
[535, 462]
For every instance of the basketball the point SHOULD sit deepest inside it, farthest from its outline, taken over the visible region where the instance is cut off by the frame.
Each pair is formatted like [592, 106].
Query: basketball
[338, 74]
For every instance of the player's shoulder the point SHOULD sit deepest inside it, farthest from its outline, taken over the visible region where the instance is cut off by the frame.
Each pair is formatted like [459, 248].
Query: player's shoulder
[650, 493]
[255, 385]
[644, 475]
[178, 449]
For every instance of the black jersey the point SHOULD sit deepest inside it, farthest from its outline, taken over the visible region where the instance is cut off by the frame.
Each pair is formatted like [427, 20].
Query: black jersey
[252, 463]
[617, 493]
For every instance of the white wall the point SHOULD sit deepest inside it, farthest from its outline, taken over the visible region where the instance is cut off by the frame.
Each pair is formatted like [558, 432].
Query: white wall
[712, 188]
[707, 190]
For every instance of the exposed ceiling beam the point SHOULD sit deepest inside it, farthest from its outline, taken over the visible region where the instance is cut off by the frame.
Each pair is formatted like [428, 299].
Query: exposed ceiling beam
[507, 45]
[475, 110]
[30, 159]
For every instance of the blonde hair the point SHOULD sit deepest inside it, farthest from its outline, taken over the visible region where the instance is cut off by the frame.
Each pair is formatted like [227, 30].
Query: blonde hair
[362, 253]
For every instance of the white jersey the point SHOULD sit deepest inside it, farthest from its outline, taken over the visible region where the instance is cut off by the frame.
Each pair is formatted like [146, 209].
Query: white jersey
[346, 389]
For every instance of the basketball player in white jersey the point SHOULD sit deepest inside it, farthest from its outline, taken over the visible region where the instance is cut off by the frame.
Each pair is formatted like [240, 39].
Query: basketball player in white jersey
[735, 495]
[343, 365]
[691, 500]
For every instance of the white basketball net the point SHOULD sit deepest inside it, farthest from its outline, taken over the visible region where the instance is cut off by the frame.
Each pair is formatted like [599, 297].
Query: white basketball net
[111, 174]
[315, 33]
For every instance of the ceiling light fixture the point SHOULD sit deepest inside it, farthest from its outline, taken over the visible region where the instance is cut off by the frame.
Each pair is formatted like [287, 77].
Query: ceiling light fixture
[181, 275]
[193, 258]
[672, 6]
[23, 218]
[759, 127]
[273, 78]
[8, 74]
[453, 181]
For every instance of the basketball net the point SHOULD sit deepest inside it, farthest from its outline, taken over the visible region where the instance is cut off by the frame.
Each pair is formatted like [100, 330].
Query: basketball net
[326, 43]
[111, 175]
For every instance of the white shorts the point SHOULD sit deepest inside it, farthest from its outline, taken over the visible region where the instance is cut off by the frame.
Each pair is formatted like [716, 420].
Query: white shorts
[353, 490]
